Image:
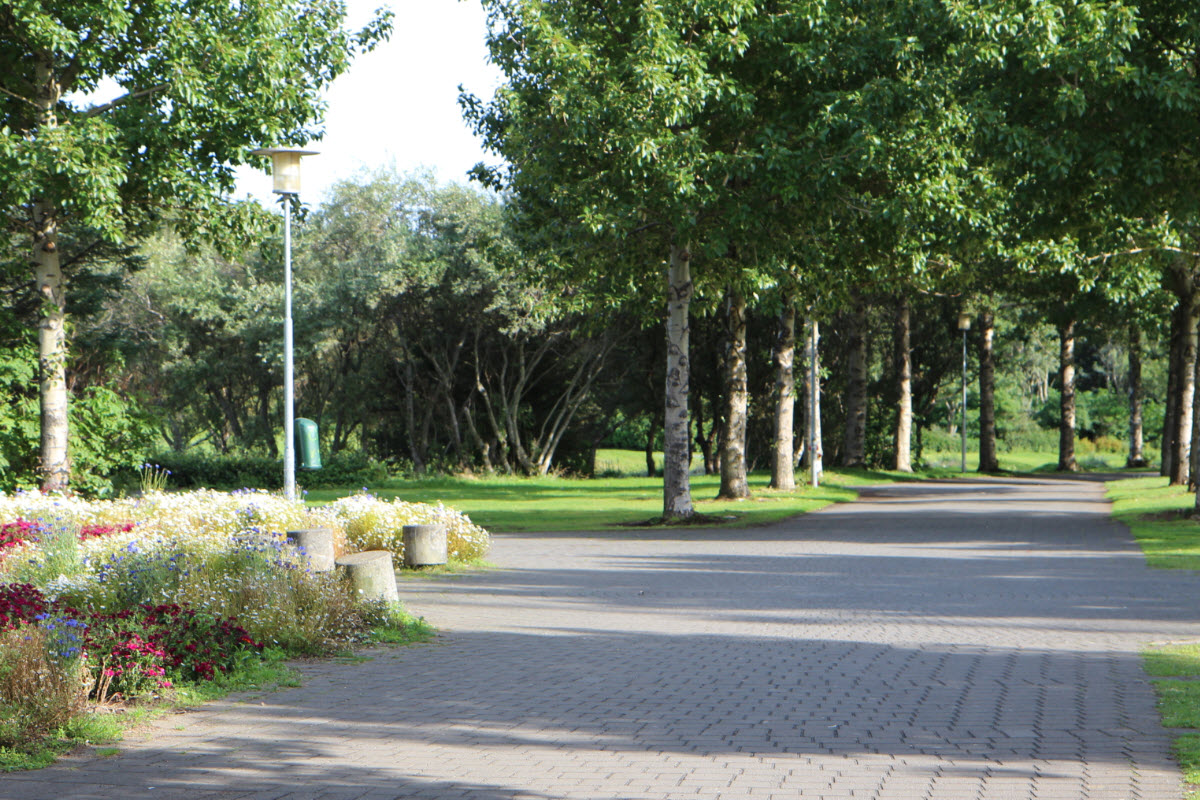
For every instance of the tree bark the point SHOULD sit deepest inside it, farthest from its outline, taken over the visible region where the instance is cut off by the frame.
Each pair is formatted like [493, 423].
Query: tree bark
[734, 485]
[1181, 457]
[812, 404]
[855, 442]
[52, 290]
[1171, 413]
[783, 471]
[677, 493]
[1137, 457]
[1194, 433]
[987, 394]
[651, 438]
[1066, 375]
[904, 415]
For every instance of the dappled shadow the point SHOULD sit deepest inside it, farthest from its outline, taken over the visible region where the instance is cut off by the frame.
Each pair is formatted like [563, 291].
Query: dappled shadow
[493, 715]
[958, 640]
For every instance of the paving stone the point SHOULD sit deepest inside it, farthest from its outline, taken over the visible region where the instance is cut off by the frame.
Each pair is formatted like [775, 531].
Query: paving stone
[966, 640]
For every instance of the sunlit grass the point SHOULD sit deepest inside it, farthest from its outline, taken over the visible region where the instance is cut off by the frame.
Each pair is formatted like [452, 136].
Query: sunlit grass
[1179, 702]
[1158, 515]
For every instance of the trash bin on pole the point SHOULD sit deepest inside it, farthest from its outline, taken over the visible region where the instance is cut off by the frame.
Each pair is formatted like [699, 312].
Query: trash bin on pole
[308, 445]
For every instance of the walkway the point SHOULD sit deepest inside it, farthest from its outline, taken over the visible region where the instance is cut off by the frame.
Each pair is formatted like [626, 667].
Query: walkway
[947, 640]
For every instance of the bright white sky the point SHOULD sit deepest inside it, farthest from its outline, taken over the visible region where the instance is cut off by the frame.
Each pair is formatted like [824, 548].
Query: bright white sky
[399, 104]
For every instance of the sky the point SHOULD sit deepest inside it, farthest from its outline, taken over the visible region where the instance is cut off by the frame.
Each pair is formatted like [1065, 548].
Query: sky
[398, 105]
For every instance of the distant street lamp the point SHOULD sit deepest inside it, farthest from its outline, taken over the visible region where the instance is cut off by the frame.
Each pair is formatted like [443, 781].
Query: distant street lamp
[964, 325]
[285, 170]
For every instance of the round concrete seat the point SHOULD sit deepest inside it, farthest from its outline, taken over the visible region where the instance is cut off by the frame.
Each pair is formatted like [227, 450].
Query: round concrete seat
[372, 575]
[317, 544]
[424, 545]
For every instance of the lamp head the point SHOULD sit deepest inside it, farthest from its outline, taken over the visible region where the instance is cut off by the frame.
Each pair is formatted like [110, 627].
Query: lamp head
[964, 321]
[285, 167]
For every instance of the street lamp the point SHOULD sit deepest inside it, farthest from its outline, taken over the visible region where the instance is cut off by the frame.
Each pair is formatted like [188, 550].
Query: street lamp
[285, 170]
[964, 325]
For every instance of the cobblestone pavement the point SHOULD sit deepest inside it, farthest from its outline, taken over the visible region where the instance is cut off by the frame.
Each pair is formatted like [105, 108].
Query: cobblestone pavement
[956, 640]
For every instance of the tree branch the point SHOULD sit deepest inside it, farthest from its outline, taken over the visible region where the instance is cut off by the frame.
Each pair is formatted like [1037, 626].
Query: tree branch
[16, 96]
[97, 110]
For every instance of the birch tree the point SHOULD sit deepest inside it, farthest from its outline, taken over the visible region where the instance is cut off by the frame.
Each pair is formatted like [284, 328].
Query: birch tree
[195, 85]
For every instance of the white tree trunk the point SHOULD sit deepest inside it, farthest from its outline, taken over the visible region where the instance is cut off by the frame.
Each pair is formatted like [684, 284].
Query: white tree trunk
[1066, 427]
[52, 289]
[734, 485]
[677, 492]
[812, 417]
[783, 474]
[904, 418]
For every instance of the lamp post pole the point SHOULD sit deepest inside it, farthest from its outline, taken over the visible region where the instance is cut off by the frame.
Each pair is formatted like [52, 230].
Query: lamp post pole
[285, 172]
[289, 394]
[814, 394]
[964, 324]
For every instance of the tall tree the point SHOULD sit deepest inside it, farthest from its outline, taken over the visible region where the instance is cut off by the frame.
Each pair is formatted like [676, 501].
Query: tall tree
[783, 461]
[988, 461]
[200, 83]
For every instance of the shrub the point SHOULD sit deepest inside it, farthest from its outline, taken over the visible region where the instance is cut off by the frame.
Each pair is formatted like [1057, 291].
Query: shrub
[139, 650]
[286, 607]
[40, 690]
[206, 470]
[373, 524]
[19, 603]
[57, 553]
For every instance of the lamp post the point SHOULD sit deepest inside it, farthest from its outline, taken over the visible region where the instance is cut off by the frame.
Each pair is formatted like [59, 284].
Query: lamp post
[285, 171]
[814, 404]
[964, 325]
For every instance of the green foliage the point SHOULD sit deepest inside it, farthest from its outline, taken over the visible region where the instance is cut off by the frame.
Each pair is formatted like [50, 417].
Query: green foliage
[109, 433]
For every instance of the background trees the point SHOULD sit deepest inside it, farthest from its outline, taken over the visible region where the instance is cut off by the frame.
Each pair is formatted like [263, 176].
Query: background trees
[879, 166]
[113, 115]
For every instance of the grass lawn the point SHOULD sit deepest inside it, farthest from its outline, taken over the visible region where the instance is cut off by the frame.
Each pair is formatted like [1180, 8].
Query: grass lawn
[1160, 518]
[511, 504]
[1179, 703]
[1154, 512]
[624, 496]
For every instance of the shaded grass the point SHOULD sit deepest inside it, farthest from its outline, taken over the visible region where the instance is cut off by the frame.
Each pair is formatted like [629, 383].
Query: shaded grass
[1178, 703]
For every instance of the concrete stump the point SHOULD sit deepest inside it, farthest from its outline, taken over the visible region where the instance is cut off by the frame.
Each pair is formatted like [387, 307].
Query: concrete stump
[318, 547]
[372, 575]
[424, 545]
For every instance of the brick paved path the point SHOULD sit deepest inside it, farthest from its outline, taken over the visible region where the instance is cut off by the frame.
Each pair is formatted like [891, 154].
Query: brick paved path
[952, 640]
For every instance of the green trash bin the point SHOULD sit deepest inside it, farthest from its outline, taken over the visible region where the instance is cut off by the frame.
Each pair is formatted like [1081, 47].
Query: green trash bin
[308, 445]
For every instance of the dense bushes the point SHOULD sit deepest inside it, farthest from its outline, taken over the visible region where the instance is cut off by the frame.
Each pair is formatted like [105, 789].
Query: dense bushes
[209, 470]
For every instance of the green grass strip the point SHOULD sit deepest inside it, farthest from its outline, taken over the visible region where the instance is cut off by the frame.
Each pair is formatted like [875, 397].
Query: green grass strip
[1160, 518]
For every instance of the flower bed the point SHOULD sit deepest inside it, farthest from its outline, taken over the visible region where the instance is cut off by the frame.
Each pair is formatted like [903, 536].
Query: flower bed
[125, 598]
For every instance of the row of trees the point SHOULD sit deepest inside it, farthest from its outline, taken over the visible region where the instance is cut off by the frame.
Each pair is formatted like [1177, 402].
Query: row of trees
[736, 163]
[847, 151]
[425, 338]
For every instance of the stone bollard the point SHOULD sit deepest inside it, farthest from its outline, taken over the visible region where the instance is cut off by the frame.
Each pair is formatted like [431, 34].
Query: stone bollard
[371, 575]
[318, 547]
[424, 545]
